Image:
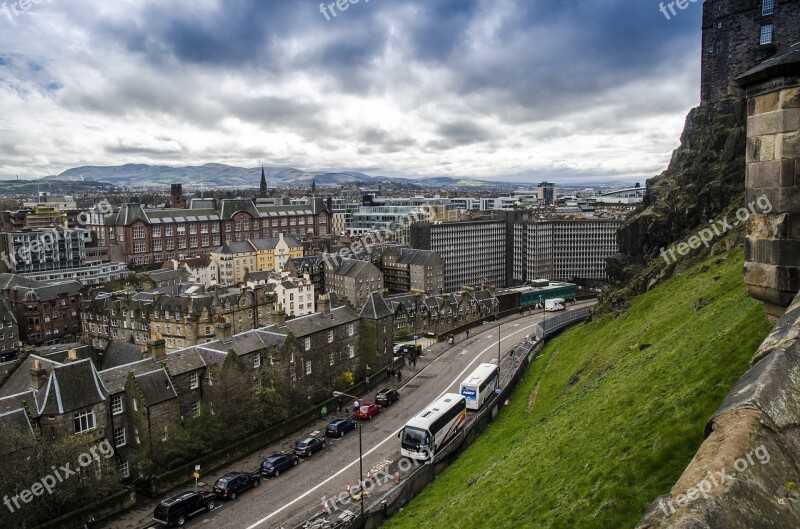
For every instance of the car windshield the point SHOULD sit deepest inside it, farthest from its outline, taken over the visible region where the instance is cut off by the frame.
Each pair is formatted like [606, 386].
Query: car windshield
[272, 460]
[304, 443]
[221, 483]
[364, 409]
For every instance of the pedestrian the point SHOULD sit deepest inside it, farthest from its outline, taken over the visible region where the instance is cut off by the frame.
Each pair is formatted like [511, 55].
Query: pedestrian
[347, 410]
[398, 375]
[356, 405]
[467, 333]
[390, 373]
[414, 364]
[339, 406]
[324, 411]
[89, 523]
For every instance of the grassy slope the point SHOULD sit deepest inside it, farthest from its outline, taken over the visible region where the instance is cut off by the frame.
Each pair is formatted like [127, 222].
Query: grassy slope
[613, 425]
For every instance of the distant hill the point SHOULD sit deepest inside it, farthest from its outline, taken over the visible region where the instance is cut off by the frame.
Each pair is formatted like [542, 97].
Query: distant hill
[218, 175]
[53, 186]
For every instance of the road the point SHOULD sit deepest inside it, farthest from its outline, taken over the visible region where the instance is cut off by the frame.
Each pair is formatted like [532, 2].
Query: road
[283, 501]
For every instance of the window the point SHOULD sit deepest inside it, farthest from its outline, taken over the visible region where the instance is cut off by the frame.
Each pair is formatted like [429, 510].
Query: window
[116, 405]
[135, 405]
[157, 247]
[766, 34]
[330, 336]
[332, 358]
[119, 436]
[124, 469]
[138, 232]
[192, 228]
[767, 7]
[181, 229]
[156, 231]
[351, 351]
[194, 380]
[256, 360]
[84, 421]
[308, 367]
[169, 230]
[196, 408]
[350, 329]
[139, 247]
[307, 343]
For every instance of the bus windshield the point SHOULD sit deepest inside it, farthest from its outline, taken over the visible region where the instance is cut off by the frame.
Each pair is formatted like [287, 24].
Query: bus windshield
[416, 438]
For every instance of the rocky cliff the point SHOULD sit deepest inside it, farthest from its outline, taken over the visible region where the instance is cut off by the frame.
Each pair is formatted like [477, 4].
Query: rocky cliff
[705, 179]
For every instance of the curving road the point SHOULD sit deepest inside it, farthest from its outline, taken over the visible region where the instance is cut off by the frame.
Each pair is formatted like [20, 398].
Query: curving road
[286, 500]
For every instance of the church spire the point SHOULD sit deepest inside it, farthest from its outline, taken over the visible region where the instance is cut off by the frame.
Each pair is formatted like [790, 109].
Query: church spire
[313, 186]
[263, 189]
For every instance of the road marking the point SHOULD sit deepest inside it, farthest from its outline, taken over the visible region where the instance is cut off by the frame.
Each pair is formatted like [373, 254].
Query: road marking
[390, 437]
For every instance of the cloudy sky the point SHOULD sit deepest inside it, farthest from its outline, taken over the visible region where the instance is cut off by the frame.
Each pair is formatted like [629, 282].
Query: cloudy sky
[509, 89]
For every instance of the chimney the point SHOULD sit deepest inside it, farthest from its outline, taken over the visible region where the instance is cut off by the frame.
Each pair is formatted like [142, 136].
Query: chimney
[157, 349]
[324, 303]
[224, 331]
[278, 317]
[72, 356]
[38, 376]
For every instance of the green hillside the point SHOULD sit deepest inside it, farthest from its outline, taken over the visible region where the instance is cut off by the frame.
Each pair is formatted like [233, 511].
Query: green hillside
[608, 416]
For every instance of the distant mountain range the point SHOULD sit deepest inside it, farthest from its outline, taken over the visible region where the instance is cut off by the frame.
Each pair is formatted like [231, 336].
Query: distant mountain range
[217, 175]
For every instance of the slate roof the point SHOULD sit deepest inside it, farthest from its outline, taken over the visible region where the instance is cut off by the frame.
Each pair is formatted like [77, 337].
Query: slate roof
[786, 63]
[176, 363]
[71, 387]
[120, 353]
[19, 381]
[203, 210]
[49, 291]
[375, 307]
[312, 323]
[7, 317]
[59, 352]
[16, 419]
[156, 386]
[9, 281]
[164, 275]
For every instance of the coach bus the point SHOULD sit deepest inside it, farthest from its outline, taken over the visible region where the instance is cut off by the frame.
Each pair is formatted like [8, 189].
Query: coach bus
[434, 427]
[480, 385]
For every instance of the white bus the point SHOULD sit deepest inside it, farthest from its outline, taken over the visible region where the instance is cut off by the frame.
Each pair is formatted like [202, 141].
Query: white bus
[479, 386]
[434, 427]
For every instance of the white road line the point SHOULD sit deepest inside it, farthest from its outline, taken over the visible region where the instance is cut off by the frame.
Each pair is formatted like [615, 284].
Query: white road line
[394, 435]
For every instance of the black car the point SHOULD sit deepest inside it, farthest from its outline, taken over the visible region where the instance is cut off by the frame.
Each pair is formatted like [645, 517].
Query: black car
[339, 427]
[234, 483]
[386, 397]
[306, 446]
[178, 509]
[277, 463]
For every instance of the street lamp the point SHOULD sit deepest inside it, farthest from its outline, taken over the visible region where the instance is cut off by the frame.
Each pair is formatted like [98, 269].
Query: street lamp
[360, 458]
[541, 302]
[499, 329]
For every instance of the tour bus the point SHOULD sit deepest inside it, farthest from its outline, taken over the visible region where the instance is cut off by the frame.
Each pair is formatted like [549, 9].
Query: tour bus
[434, 427]
[479, 386]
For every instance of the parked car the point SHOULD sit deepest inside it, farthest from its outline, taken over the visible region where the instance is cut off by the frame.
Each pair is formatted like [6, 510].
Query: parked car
[339, 427]
[367, 410]
[306, 446]
[177, 509]
[277, 463]
[386, 397]
[234, 483]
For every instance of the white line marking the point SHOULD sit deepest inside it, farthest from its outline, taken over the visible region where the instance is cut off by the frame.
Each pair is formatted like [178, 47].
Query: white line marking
[344, 469]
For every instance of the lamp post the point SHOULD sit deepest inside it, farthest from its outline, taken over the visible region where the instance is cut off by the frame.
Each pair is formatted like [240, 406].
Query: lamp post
[360, 458]
[499, 329]
[541, 302]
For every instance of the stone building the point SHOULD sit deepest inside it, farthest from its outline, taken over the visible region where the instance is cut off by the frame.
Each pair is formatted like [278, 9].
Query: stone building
[183, 315]
[45, 312]
[411, 270]
[234, 260]
[415, 314]
[9, 331]
[352, 279]
[740, 34]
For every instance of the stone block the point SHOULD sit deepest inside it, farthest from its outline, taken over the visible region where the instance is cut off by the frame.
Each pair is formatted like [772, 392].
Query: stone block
[789, 146]
[774, 122]
[782, 199]
[790, 98]
[781, 252]
[761, 148]
[779, 278]
[767, 102]
[768, 226]
[769, 174]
